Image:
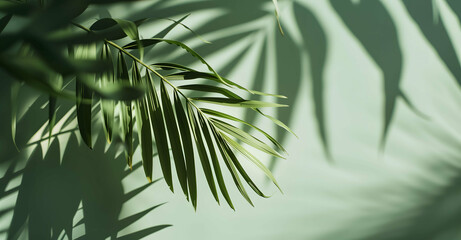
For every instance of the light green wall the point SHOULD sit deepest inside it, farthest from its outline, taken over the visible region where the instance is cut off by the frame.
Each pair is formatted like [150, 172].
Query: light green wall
[361, 192]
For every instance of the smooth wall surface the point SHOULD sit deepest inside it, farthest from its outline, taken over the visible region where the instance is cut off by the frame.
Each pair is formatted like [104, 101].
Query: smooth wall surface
[374, 93]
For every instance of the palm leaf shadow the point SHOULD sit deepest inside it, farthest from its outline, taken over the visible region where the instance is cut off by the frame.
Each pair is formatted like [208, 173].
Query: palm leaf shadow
[258, 83]
[435, 212]
[51, 192]
[456, 7]
[372, 25]
[288, 63]
[315, 43]
[253, 11]
[435, 32]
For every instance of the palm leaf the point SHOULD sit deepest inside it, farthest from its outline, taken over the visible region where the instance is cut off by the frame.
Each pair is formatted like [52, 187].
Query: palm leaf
[144, 129]
[197, 133]
[107, 106]
[175, 139]
[214, 158]
[158, 125]
[175, 122]
[232, 118]
[84, 93]
[14, 109]
[226, 154]
[186, 138]
[126, 111]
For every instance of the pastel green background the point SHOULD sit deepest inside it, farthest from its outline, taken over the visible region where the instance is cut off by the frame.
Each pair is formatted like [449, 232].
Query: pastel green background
[339, 64]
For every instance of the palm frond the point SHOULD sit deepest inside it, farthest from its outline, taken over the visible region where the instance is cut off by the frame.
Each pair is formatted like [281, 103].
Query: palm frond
[171, 117]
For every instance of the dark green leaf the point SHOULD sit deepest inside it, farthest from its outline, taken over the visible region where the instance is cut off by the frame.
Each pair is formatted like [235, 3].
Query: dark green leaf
[56, 15]
[277, 12]
[114, 29]
[158, 124]
[189, 73]
[4, 21]
[175, 140]
[238, 102]
[51, 115]
[244, 137]
[202, 151]
[165, 31]
[183, 123]
[225, 154]
[52, 108]
[33, 72]
[276, 121]
[239, 167]
[126, 111]
[227, 116]
[54, 57]
[188, 28]
[70, 37]
[129, 27]
[191, 52]
[144, 130]
[142, 42]
[214, 158]
[84, 112]
[15, 86]
[252, 158]
[210, 89]
[127, 131]
[103, 24]
[107, 106]
[84, 94]
[172, 66]
[122, 69]
[118, 91]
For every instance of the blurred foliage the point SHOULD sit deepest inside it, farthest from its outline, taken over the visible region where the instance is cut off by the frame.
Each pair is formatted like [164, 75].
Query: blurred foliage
[51, 50]
[426, 209]
[46, 45]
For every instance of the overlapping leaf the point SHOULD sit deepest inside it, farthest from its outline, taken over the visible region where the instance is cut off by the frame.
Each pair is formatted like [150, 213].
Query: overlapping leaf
[193, 133]
[107, 106]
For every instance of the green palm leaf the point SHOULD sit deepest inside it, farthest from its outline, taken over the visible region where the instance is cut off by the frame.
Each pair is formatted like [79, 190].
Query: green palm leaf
[177, 123]
[175, 139]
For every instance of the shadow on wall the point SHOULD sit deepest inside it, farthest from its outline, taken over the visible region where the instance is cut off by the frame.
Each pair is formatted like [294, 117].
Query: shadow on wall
[374, 28]
[51, 191]
[368, 21]
[435, 32]
[287, 55]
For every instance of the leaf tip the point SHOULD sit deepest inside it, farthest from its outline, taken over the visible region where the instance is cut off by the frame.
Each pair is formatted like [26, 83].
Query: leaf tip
[194, 204]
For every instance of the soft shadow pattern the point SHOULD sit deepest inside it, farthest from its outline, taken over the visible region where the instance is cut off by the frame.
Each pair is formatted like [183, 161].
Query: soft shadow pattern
[258, 83]
[422, 12]
[7, 149]
[435, 214]
[287, 54]
[315, 42]
[288, 62]
[370, 22]
[51, 192]
[456, 7]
